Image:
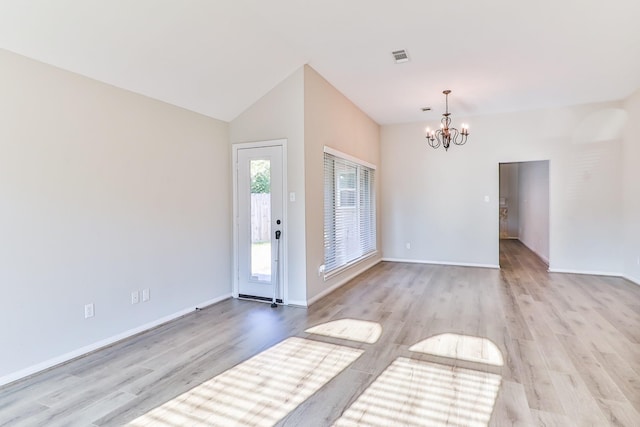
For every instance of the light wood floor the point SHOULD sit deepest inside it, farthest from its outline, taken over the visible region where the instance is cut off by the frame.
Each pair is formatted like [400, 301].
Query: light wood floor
[570, 343]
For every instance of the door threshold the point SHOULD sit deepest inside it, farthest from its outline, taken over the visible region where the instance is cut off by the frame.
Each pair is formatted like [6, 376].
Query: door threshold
[259, 299]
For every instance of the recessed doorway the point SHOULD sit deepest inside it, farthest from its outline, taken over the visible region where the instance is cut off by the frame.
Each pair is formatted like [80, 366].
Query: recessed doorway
[523, 211]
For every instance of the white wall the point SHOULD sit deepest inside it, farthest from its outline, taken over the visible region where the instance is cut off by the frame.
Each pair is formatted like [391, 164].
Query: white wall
[631, 155]
[533, 188]
[434, 199]
[280, 115]
[331, 119]
[102, 192]
[509, 191]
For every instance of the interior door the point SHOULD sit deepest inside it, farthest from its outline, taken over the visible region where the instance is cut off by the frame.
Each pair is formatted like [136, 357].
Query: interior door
[259, 221]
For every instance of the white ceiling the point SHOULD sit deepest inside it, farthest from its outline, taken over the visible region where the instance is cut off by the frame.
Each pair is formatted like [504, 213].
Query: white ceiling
[217, 57]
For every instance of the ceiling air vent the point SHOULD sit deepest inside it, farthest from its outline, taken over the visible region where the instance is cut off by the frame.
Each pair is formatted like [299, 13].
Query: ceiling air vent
[400, 56]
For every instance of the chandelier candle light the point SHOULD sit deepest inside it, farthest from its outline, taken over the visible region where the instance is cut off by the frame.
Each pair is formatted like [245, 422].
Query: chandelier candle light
[446, 134]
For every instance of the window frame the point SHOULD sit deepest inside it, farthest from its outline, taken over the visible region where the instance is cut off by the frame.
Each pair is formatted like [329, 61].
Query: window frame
[365, 211]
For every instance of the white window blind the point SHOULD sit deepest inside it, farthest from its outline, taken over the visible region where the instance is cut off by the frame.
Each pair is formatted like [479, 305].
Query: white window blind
[349, 211]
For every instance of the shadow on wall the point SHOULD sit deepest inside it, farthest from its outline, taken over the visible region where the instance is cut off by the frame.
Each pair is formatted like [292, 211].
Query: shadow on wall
[600, 126]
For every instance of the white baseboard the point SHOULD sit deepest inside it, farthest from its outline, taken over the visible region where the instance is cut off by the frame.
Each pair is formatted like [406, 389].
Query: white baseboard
[456, 264]
[342, 282]
[544, 258]
[297, 303]
[633, 280]
[23, 373]
[587, 272]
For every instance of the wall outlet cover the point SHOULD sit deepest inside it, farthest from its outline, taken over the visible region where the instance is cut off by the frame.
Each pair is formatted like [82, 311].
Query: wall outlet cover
[88, 311]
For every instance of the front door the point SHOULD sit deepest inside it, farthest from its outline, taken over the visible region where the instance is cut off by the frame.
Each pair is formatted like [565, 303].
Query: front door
[259, 221]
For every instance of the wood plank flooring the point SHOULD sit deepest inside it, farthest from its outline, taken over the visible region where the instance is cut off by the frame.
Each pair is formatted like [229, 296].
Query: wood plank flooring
[570, 345]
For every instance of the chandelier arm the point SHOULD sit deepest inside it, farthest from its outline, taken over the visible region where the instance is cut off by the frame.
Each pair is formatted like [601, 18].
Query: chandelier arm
[455, 134]
[462, 140]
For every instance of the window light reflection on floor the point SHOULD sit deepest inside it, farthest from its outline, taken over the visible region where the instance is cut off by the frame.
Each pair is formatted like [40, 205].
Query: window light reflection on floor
[462, 347]
[417, 393]
[349, 329]
[259, 391]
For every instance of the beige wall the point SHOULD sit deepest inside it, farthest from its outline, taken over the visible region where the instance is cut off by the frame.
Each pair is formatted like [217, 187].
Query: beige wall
[309, 113]
[435, 199]
[280, 115]
[102, 192]
[631, 184]
[331, 119]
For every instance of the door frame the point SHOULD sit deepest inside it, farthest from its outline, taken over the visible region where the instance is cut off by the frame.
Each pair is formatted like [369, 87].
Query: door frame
[283, 282]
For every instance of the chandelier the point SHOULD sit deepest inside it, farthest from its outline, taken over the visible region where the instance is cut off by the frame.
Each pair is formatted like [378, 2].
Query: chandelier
[446, 134]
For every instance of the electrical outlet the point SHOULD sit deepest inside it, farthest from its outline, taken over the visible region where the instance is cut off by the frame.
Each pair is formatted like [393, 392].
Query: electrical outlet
[88, 311]
[408, 245]
[135, 297]
[638, 261]
[146, 295]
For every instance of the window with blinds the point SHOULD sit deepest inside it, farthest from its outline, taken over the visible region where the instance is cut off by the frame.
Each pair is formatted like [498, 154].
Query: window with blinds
[349, 211]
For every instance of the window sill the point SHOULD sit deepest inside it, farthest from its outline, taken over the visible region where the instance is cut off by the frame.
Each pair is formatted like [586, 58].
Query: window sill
[347, 266]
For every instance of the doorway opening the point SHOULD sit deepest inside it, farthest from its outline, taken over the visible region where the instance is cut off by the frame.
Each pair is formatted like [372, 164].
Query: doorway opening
[523, 211]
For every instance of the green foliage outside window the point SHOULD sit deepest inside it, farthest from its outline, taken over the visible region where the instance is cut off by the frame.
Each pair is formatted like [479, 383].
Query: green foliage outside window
[260, 176]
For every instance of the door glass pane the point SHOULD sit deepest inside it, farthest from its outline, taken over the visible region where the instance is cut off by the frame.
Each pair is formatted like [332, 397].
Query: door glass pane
[261, 220]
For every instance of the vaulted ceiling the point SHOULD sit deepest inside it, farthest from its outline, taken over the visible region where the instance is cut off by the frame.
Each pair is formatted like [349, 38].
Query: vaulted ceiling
[217, 57]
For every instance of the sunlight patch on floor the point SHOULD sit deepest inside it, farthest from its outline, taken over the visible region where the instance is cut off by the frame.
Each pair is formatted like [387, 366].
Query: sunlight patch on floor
[416, 393]
[463, 347]
[259, 391]
[349, 329]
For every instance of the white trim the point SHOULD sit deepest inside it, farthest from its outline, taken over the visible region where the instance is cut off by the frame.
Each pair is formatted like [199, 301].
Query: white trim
[259, 144]
[14, 376]
[351, 264]
[284, 276]
[545, 259]
[454, 264]
[632, 280]
[348, 157]
[586, 272]
[298, 303]
[341, 282]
